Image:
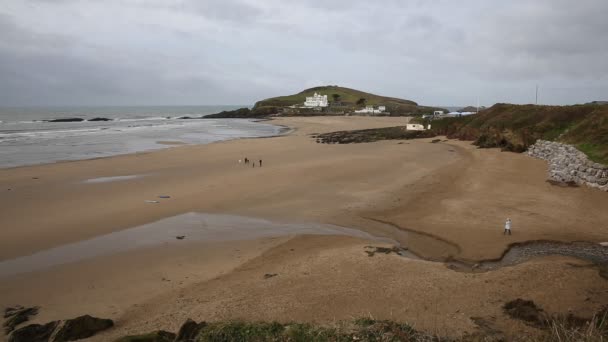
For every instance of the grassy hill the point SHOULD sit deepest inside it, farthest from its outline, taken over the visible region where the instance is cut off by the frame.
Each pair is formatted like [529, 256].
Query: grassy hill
[349, 99]
[515, 127]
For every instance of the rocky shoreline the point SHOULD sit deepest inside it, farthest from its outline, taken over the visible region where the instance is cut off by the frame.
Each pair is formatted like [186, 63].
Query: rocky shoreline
[568, 165]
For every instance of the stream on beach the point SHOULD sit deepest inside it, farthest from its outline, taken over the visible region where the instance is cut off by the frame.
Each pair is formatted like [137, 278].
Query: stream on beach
[203, 227]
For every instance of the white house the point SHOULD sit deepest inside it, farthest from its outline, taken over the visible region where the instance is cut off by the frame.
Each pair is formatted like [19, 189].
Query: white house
[316, 100]
[371, 110]
[415, 127]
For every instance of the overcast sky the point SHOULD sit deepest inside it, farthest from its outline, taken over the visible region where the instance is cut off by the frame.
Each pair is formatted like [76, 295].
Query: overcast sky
[435, 52]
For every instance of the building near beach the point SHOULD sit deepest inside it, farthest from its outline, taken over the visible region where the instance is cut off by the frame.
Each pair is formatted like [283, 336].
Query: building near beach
[416, 127]
[317, 100]
[371, 110]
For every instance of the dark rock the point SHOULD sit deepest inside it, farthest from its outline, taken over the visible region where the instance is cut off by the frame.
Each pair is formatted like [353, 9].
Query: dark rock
[244, 113]
[270, 275]
[180, 237]
[525, 310]
[371, 135]
[434, 141]
[189, 331]
[34, 333]
[383, 250]
[81, 327]
[17, 315]
[100, 119]
[157, 336]
[66, 120]
[568, 184]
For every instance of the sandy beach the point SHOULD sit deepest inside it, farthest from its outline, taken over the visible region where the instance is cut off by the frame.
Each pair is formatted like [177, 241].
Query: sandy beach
[445, 200]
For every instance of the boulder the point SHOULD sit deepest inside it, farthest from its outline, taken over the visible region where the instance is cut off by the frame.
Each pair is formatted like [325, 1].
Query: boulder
[34, 333]
[81, 327]
[189, 331]
[525, 310]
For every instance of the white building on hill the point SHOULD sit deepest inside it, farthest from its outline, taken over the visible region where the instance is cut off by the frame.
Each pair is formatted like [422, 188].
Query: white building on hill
[371, 110]
[317, 100]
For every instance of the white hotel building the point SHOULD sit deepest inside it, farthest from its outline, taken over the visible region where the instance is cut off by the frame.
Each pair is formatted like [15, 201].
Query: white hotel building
[316, 100]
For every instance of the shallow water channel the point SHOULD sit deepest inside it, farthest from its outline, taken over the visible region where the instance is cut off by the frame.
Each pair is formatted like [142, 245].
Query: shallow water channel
[185, 228]
[201, 227]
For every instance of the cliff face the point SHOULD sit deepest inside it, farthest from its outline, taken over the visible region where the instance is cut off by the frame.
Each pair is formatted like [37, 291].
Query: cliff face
[516, 127]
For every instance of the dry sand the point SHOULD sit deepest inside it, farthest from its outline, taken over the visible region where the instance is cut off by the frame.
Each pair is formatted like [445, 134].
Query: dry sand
[457, 195]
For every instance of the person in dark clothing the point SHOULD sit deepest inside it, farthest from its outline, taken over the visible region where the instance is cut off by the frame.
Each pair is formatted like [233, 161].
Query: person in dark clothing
[246, 161]
[260, 162]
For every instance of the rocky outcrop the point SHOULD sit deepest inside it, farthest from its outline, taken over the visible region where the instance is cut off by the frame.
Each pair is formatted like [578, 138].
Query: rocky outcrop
[61, 331]
[66, 120]
[569, 165]
[17, 315]
[369, 135]
[189, 331]
[81, 327]
[34, 333]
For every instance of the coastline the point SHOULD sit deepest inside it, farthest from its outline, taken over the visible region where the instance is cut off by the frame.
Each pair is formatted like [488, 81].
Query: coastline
[450, 190]
[164, 143]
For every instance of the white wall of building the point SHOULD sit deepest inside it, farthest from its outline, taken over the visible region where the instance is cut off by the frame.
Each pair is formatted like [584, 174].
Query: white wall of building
[414, 127]
[317, 100]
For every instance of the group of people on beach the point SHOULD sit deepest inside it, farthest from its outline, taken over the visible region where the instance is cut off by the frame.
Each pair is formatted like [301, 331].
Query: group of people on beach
[246, 161]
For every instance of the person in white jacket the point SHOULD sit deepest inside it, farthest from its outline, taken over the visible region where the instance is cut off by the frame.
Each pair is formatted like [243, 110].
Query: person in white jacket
[507, 227]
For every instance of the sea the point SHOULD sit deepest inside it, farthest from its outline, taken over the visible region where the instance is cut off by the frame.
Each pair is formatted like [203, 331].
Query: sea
[28, 136]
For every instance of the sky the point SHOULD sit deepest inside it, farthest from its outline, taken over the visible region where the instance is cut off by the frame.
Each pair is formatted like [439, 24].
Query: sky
[210, 52]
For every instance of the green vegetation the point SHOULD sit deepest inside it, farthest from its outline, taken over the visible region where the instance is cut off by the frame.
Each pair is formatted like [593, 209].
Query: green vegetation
[359, 330]
[350, 99]
[515, 127]
[567, 329]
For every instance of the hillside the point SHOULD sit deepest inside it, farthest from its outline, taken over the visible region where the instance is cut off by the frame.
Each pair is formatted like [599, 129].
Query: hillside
[515, 127]
[469, 109]
[347, 99]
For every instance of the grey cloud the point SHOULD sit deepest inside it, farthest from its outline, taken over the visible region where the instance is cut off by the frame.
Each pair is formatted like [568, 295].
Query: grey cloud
[237, 51]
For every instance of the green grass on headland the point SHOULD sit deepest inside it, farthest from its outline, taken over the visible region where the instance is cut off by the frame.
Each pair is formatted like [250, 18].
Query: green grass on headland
[349, 99]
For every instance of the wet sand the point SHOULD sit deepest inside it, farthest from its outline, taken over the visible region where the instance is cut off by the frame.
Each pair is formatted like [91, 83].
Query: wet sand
[451, 197]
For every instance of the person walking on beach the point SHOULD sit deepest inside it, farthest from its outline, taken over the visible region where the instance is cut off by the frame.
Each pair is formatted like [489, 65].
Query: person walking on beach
[507, 227]
[260, 162]
[246, 161]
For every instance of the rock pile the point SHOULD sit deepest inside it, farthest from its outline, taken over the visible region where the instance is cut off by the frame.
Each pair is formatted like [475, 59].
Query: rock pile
[569, 165]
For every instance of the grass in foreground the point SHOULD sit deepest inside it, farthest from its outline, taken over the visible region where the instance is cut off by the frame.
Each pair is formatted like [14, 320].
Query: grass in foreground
[557, 329]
